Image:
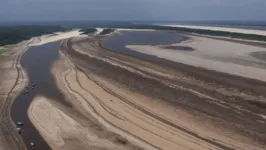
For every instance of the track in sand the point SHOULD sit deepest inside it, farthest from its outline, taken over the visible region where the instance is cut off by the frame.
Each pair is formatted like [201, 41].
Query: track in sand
[166, 105]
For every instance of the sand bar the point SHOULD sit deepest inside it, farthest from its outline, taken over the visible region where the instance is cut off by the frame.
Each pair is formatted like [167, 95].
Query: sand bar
[58, 128]
[225, 29]
[56, 37]
[222, 56]
[145, 117]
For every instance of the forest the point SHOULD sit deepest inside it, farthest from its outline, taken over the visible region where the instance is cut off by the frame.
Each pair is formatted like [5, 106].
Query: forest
[87, 30]
[106, 31]
[14, 34]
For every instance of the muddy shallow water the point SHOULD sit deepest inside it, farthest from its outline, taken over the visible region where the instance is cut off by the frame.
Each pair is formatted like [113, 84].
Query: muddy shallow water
[118, 42]
[37, 62]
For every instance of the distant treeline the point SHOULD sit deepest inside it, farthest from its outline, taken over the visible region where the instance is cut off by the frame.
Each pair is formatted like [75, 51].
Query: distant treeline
[87, 30]
[92, 30]
[106, 31]
[15, 34]
[179, 29]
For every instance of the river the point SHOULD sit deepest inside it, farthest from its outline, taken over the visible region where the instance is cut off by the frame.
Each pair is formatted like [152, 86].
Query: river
[118, 42]
[37, 62]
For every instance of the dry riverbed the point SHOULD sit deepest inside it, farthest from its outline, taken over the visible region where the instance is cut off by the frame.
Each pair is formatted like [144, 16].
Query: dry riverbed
[129, 103]
[13, 80]
[122, 102]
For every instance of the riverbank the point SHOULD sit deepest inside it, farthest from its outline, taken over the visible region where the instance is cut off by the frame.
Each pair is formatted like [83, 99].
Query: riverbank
[56, 37]
[147, 96]
[74, 127]
[91, 98]
[212, 54]
[12, 82]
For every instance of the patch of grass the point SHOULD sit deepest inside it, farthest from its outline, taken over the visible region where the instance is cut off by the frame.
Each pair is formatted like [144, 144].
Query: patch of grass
[6, 48]
[3, 50]
[87, 30]
[106, 31]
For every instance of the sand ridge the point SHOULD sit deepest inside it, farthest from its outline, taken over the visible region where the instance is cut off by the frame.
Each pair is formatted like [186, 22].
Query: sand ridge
[225, 29]
[58, 129]
[130, 114]
[56, 37]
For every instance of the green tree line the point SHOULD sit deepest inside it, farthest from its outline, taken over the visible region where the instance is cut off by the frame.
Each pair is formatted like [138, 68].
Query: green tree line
[106, 31]
[87, 30]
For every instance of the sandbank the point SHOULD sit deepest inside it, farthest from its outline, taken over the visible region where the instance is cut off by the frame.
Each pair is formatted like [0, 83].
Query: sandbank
[225, 29]
[218, 55]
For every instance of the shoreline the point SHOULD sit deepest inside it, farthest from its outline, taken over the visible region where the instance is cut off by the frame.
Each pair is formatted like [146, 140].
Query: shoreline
[108, 98]
[38, 41]
[152, 81]
[56, 37]
[203, 51]
[15, 79]
[56, 126]
[16, 51]
[224, 29]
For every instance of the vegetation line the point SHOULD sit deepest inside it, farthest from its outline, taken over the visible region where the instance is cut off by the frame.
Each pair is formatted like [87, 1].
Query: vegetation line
[14, 34]
[187, 30]
[87, 30]
[106, 31]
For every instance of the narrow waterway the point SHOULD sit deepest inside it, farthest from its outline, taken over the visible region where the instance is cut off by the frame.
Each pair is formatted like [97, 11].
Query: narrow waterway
[118, 42]
[37, 61]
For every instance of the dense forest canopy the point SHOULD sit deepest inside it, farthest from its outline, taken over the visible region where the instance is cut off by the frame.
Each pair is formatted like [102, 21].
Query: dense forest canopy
[106, 31]
[15, 34]
[87, 30]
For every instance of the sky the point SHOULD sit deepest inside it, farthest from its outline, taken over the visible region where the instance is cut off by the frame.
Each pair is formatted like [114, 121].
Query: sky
[165, 10]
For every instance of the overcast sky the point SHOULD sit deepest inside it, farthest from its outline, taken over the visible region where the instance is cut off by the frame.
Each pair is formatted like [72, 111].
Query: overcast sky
[132, 10]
